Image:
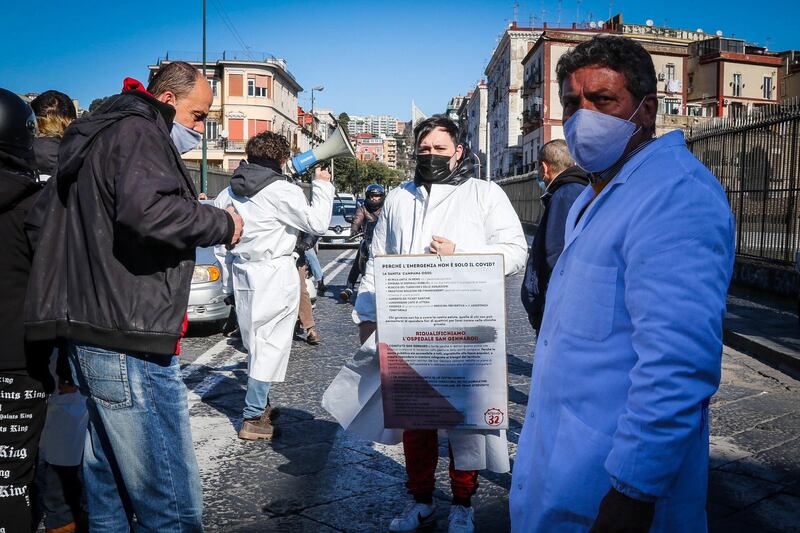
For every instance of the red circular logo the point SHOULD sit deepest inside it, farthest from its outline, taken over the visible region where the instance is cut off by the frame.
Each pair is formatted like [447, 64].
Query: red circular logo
[494, 416]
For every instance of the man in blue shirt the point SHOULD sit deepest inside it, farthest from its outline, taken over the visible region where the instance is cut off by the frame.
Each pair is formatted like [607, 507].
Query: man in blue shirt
[561, 181]
[629, 352]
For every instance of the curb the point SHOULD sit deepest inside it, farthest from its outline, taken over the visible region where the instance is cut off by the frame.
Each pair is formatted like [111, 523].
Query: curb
[782, 360]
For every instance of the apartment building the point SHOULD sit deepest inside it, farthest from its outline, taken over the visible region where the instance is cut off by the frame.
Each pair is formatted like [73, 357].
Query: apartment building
[374, 124]
[789, 76]
[728, 77]
[504, 77]
[453, 106]
[369, 147]
[472, 116]
[390, 151]
[250, 96]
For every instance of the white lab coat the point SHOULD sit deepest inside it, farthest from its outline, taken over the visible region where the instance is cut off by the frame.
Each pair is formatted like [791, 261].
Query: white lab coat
[262, 266]
[478, 217]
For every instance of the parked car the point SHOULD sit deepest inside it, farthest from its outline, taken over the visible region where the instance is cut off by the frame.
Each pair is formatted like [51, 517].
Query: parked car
[206, 297]
[339, 228]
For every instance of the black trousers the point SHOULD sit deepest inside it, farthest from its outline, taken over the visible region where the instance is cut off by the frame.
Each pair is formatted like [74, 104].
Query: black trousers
[23, 407]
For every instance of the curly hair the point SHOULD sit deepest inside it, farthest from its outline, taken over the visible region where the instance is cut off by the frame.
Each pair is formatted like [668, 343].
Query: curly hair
[621, 54]
[268, 145]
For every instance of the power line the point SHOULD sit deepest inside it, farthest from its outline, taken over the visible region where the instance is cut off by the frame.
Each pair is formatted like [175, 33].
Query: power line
[229, 23]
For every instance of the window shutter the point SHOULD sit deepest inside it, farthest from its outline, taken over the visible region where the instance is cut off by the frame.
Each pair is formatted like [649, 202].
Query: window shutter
[236, 82]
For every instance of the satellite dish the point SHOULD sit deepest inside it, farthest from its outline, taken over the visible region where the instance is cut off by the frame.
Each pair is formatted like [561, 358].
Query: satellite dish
[649, 23]
[699, 30]
[719, 33]
[593, 25]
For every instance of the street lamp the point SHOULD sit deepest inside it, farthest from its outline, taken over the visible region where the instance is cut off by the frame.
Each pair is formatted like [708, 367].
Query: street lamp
[318, 88]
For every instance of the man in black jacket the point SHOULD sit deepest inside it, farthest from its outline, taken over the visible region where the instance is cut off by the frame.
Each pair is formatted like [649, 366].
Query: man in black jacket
[23, 371]
[117, 234]
[561, 183]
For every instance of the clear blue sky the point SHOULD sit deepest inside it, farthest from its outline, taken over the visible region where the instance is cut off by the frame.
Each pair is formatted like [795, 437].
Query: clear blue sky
[373, 57]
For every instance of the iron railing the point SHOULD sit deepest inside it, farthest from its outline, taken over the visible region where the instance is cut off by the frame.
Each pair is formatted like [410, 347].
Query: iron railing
[756, 159]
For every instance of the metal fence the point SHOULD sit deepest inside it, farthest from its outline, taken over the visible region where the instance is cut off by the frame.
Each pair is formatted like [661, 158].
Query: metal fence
[757, 161]
[216, 179]
[524, 194]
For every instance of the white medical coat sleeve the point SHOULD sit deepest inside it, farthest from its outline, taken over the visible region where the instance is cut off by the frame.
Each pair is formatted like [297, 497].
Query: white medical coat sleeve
[222, 254]
[503, 231]
[364, 310]
[679, 259]
[293, 208]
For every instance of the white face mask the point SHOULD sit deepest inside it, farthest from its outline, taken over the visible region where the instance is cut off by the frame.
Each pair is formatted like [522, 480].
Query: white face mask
[596, 140]
[185, 139]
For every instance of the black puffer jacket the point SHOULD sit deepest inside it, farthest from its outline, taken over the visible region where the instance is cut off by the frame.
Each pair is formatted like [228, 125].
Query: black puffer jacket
[117, 229]
[18, 190]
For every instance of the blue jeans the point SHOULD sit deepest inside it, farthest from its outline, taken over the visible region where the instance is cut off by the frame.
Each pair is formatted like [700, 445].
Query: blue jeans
[138, 460]
[256, 399]
[313, 264]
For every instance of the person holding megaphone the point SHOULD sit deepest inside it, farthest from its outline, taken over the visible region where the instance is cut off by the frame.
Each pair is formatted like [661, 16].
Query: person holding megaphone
[262, 268]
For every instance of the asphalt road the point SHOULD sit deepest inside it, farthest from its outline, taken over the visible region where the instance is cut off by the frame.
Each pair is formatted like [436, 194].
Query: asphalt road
[315, 477]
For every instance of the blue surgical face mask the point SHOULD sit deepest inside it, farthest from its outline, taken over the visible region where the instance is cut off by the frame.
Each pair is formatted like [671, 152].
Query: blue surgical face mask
[185, 139]
[542, 185]
[596, 140]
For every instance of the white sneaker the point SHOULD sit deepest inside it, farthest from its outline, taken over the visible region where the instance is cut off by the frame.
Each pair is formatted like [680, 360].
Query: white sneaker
[462, 519]
[415, 515]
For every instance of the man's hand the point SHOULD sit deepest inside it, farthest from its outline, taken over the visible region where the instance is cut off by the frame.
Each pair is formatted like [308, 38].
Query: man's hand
[365, 329]
[619, 513]
[322, 175]
[238, 225]
[442, 246]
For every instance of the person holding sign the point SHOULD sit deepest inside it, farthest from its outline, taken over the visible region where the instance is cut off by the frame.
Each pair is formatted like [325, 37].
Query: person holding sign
[445, 210]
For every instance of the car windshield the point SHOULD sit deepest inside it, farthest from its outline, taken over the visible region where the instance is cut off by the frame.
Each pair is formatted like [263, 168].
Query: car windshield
[343, 210]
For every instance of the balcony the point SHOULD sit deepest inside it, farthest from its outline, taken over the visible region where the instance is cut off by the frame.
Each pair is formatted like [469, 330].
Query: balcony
[531, 120]
[531, 82]
[233, 146]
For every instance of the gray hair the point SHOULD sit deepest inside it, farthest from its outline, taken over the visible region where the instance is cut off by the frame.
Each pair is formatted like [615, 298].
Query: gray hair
[556, 154]
[178, 78]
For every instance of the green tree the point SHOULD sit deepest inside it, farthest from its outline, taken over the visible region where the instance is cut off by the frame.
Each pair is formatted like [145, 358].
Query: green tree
[97, 102]
[344, 120]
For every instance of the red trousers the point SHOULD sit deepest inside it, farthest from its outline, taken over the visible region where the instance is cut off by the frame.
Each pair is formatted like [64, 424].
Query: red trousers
[421, 447]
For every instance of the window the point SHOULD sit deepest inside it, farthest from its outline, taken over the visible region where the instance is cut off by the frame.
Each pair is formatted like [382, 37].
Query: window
[672, 106]
[214, 82]
[254, 126]
[737, 85]
[212, 130]
[236, 129]
[235, 82]
[259, 86]
[670, 71]
[767, 87]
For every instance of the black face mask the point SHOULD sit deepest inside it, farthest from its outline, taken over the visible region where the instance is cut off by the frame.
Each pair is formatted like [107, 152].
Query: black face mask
[432, 168]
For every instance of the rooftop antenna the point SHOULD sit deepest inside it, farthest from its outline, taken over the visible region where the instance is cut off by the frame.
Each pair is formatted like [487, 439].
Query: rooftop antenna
[558, 23]
[578, 11]
[516, 12]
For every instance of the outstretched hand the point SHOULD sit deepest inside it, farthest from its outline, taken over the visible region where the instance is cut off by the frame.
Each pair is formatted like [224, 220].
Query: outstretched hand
[442, 246]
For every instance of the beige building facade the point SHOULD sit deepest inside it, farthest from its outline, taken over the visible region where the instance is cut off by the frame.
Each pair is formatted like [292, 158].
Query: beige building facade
[249, 97]
[730, 78]
[789, 76]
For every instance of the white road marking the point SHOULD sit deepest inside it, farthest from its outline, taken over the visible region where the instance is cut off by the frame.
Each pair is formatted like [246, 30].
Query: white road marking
[338, 259]
[197, 392]
[338, 269]
[203, 359]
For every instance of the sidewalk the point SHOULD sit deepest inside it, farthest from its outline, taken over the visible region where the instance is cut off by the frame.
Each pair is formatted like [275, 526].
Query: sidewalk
[765, 327]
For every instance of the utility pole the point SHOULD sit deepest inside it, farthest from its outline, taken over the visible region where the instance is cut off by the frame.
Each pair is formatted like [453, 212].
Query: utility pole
[204, 160]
